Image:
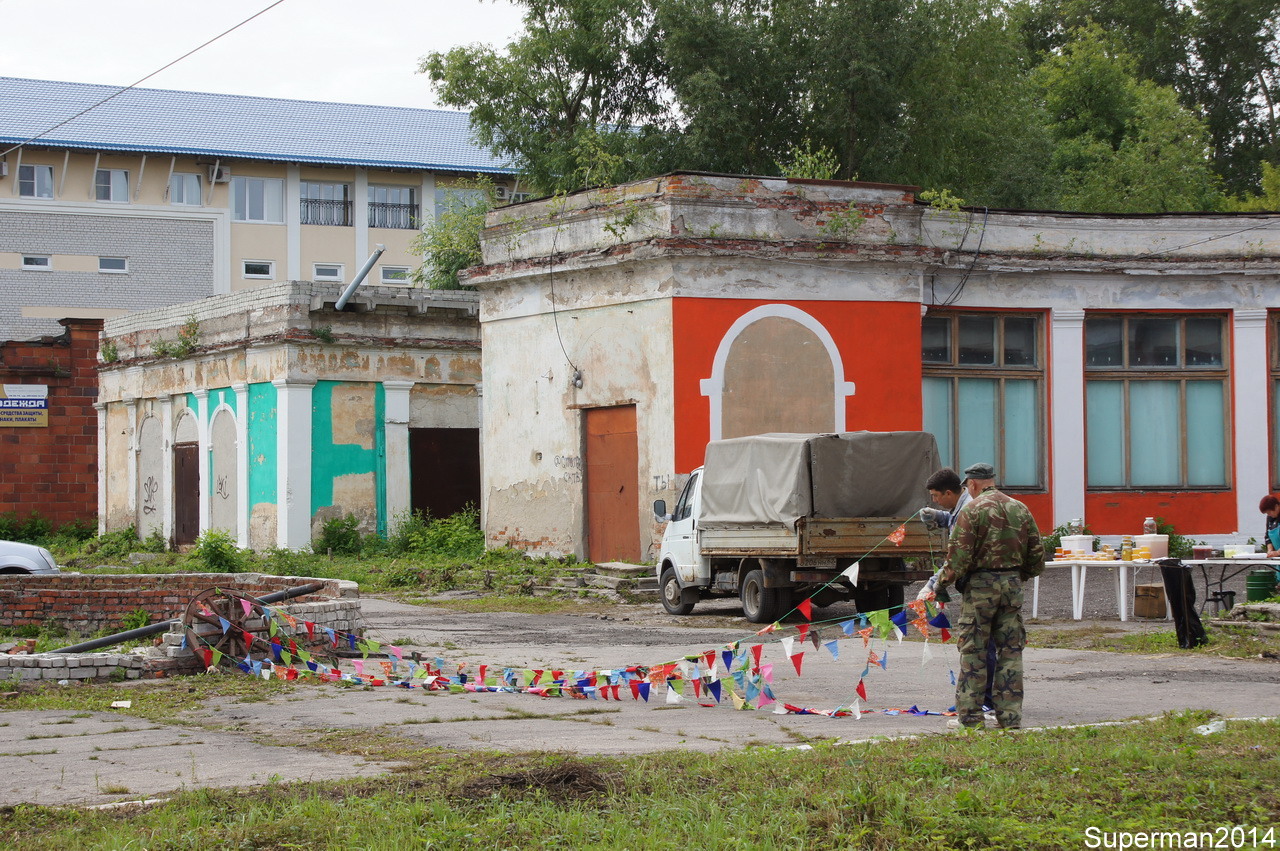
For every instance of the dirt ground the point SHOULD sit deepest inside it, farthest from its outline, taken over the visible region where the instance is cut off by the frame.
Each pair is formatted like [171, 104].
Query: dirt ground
[98, 757]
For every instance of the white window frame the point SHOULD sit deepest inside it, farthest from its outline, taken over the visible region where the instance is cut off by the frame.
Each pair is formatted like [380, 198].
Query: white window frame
[316, 267]
[271, 270]
[404, 271]
[178, 178]
[106, 271]
[34, 180]
[117, 185]
[46, 266]
[243, 183]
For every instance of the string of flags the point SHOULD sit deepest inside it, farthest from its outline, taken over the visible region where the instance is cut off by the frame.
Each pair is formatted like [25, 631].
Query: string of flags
[747, 682]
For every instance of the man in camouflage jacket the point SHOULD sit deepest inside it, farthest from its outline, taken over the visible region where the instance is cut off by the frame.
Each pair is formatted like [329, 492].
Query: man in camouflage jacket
[995, 545]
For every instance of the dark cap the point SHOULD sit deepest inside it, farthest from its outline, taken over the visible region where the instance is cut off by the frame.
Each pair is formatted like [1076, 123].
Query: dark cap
[980, 471]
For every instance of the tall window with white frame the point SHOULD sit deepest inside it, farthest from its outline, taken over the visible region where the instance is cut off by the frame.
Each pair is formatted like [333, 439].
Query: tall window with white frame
[257, 199]
[393, 207]
[35, 181]
[325, 203]
[1156, 401]
[984, 392]
[111, 184]
[184, 189]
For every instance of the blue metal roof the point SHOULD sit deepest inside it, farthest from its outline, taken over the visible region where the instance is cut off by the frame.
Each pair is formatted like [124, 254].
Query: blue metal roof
[229, 126]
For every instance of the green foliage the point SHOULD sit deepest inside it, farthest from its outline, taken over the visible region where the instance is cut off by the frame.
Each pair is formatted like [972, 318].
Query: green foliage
[324, 334]
[810, 163]
[1180, 546]
[136, 619]
[341, 535]
[457, 536]
[1268, 200]
[451, 242]
[216, 551]
[1054, 539]
[154, 543]
[187, 342]
[843, 224]
[109, 351]
[942, 199]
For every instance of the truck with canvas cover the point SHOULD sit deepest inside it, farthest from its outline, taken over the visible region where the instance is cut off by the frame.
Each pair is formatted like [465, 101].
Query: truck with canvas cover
[777, 518]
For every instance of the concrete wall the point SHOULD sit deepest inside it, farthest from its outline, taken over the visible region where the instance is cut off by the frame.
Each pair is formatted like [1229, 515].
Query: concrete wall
[301, 412]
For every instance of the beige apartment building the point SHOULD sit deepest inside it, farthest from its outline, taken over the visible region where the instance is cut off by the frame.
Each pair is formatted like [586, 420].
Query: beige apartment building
[148, 198]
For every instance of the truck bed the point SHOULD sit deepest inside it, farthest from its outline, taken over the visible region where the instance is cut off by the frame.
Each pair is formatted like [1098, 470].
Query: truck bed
[818, 537]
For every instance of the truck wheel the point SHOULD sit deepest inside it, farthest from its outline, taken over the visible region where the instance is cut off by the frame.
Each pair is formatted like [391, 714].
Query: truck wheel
[760, 604]
[671, 599]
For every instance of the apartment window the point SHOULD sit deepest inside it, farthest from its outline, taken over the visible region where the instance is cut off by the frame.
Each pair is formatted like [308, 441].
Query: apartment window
[327, 272]
[184, 189]
[259, 269]
[325, 203]
[39, 262]
[111, 184]
[395, 274]
[113, 265]
[257, 199]
[1156, 401]
[983, 392]
[35, 181]
[393, 207]
[450, 200]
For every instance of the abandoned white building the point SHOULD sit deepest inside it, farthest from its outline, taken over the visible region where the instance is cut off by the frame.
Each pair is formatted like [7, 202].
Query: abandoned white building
[1111, 367]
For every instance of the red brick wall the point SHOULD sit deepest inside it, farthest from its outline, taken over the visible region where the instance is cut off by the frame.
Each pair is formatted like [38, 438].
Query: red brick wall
[54, 470]
[87, 604]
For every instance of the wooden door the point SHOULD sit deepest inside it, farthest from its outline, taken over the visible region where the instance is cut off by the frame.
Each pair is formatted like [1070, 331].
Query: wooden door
[612, 469]
[444, 470]
[186, 493]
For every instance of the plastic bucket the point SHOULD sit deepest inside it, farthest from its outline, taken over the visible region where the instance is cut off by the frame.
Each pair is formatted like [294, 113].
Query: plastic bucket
[1259, 585]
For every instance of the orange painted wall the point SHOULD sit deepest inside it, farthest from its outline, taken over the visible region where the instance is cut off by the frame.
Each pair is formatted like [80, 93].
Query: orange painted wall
[879, 343]
[1123, 513]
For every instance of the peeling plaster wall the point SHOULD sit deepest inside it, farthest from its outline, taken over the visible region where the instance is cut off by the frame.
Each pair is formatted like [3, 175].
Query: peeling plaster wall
[346, 442]
[533, 434]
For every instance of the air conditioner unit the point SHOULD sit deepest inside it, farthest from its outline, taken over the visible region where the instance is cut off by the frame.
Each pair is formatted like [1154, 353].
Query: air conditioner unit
[219, 174]
[501, 193]
[4, 169]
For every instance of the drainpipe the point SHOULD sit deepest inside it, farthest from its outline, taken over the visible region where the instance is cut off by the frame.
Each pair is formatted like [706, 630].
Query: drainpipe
[360, 276]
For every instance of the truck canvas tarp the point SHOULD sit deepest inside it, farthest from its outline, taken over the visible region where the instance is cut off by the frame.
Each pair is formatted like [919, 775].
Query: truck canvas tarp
[776, 479]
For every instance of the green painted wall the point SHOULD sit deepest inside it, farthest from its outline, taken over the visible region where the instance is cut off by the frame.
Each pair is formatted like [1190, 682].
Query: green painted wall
[262, 444]
[331, 460]
[218, 397]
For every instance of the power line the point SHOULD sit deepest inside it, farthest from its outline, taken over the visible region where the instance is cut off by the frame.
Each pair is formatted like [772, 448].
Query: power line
[139, 81]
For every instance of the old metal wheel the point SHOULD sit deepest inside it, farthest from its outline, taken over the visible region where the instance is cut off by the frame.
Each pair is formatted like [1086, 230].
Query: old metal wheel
[207, 609]
[669, 586]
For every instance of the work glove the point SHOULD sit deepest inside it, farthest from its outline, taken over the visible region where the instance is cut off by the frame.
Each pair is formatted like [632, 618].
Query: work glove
[932, 517]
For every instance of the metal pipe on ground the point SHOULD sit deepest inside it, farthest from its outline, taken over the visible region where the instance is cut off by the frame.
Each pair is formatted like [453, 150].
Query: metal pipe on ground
[162, 626]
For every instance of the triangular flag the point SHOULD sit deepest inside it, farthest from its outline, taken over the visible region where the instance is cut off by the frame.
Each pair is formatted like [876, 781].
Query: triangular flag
[765, 700]
[851, 573]
[848, 626]
[727, 656]
[766, 671]
[879, 620]
[756, 650]
[925, 655]
[714, 688]
[738, 702]
[311, 630]
[834, 647]
[767, 629]
[803, 630]
[797, 660]
[862, 690]
[247, 606]
[788, 645]
[644, 691]
[884, 660]
[898, 535]
[805, 608]
[226, 624]
[673, 696]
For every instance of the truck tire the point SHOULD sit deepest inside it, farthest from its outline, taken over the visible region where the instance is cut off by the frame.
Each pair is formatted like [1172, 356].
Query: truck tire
[669, 589]
[760, 604]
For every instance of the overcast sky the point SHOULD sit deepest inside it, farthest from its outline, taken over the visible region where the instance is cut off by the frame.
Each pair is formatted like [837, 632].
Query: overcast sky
[354, 51]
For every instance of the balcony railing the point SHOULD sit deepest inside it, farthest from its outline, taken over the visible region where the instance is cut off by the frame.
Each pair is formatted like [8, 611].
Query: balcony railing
[383, 215]
[318, 212]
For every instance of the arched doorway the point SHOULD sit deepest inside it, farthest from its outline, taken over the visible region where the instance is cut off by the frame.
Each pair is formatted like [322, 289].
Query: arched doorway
[186, 479]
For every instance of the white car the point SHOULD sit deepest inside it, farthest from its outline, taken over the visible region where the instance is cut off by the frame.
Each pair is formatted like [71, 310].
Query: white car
[26, 558]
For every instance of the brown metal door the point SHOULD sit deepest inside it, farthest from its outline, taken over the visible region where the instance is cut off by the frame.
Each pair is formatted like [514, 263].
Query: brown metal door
[186, 493]
[444, 469]
[612, 478]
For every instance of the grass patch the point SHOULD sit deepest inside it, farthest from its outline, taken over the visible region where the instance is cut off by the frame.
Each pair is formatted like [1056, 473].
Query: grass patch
[1226, 642]
[1030, 790]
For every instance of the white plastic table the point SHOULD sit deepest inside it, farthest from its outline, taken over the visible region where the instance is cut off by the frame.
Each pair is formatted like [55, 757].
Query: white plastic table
[1124, 571]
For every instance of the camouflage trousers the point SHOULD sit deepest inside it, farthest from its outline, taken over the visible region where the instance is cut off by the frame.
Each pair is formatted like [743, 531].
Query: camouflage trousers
[992, 610]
